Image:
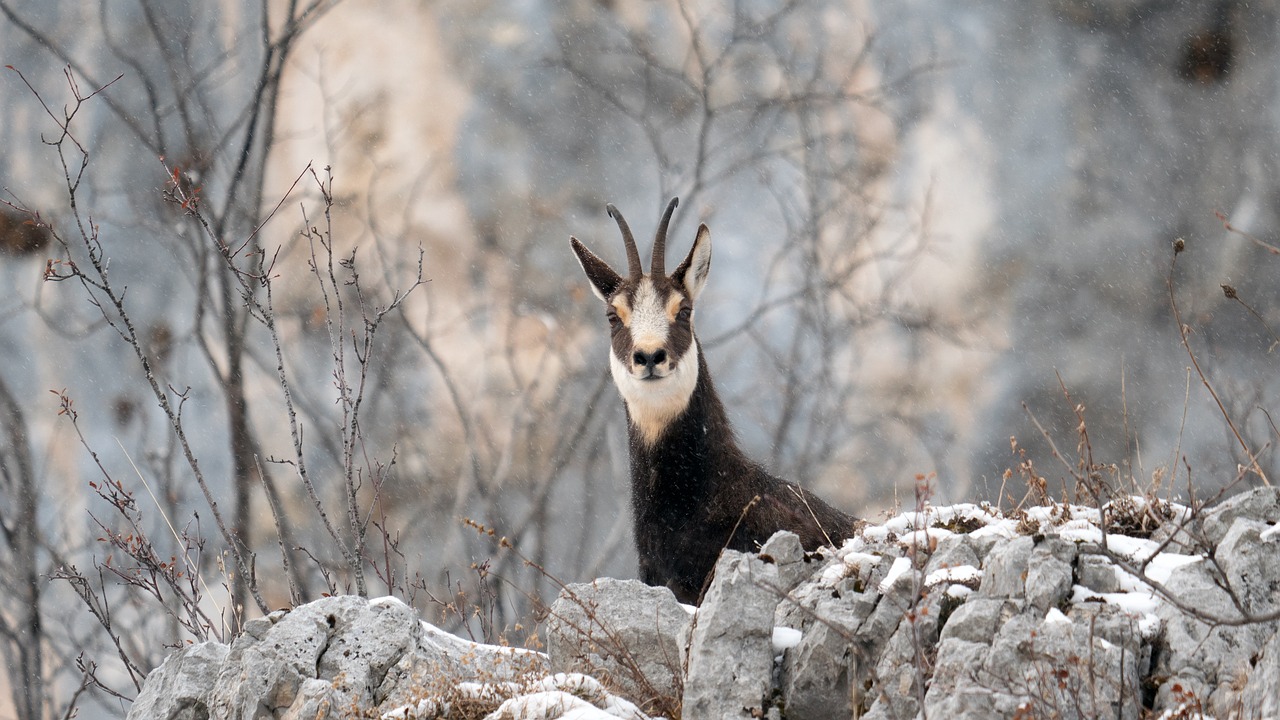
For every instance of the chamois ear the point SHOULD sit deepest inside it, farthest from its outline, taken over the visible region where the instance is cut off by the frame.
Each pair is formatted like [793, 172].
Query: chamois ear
[692, 273]
[603, 279]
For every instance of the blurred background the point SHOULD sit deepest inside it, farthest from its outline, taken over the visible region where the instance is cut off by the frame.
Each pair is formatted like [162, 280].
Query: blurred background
[224, 389]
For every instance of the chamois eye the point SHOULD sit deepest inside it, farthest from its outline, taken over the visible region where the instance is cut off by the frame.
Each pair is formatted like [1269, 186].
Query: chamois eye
[684, 314]
[615, 322]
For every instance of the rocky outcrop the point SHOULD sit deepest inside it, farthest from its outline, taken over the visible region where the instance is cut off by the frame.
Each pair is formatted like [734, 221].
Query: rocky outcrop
[328, 658]
[961, 612]
[956, 612]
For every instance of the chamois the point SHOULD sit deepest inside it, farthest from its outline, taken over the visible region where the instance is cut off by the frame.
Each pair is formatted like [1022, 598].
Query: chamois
[693, 491]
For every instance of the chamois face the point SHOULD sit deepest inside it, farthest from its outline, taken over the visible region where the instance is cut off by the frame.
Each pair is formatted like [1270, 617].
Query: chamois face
[654, 354]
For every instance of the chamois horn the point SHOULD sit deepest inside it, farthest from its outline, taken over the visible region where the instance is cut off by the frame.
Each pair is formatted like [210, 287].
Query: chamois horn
[633, 255]
[658, 266]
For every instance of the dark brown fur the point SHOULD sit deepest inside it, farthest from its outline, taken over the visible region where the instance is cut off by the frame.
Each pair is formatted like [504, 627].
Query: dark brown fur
[693, 494]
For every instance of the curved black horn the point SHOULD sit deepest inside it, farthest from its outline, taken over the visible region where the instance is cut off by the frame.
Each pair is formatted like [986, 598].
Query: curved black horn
[633, 255]
[658, 266]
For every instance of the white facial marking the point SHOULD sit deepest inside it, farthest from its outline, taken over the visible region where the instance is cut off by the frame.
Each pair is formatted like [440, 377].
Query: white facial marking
[648, 324]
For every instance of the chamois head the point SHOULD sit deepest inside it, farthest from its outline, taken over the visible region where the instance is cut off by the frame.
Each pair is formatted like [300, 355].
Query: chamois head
[654, 358]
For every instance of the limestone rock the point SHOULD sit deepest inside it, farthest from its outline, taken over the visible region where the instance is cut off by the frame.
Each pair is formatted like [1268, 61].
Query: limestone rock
[1247, 555]
[1097, 573]
[1260, 698]
[345, 641]
[1004, 572]
[179, 688]
[1260, 504]
[953, 551]
[1054, 630]
[978, 619]
[624, 633]
[731, 642]
[322, 660]
[793, 563]
[817, 674]
[901, 668]
[1049, 573]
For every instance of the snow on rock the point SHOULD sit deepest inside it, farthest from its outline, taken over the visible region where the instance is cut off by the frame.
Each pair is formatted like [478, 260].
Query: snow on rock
[562, 696]
[962, 575]
[900, 567]
[852, 561]
[1055, 616]
[956, 612]
[549, 704]
[785, 638]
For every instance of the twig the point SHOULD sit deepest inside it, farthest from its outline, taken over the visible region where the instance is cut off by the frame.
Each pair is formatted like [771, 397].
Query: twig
[1226, 224]
[1178, 246]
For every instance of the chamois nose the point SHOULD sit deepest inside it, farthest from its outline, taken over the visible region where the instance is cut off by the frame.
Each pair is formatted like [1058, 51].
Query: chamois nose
[649, 360]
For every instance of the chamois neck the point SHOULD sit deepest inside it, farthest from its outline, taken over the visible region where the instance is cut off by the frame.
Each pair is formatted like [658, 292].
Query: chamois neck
[653, 407]
[688, 429]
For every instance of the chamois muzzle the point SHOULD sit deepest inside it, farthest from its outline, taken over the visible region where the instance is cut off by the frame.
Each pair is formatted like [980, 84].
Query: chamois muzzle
[648, 362]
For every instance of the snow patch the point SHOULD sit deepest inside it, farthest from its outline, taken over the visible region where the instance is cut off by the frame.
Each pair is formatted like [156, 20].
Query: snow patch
[1142, 604]
[552, 704]
[896, 570]
[386, 601]
[959, 574]
[785, 638]
[1055, 617]
[851, 562]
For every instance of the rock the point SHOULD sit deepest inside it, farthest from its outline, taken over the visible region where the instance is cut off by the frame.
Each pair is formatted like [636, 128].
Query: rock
[572, 696]
[1049, 573]
[894, 602]
[1097, 573]
[731, 641]
[1260, 698]
[1210, 663]
[841, 651]
[179, 688]
[978, 619]
[793, 563]
[566, 695]
[1182, 691]
[1196, 655]
[1260, 504]
[624, 633]
[816, 674]
[317, 699]
[347, 642]
[1247, 558]
[953, 551]
[865, 636]
[1050, 666]
[323, 659]
[440, 662]
[956, 663]
[1004, 571]
[902, 669]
